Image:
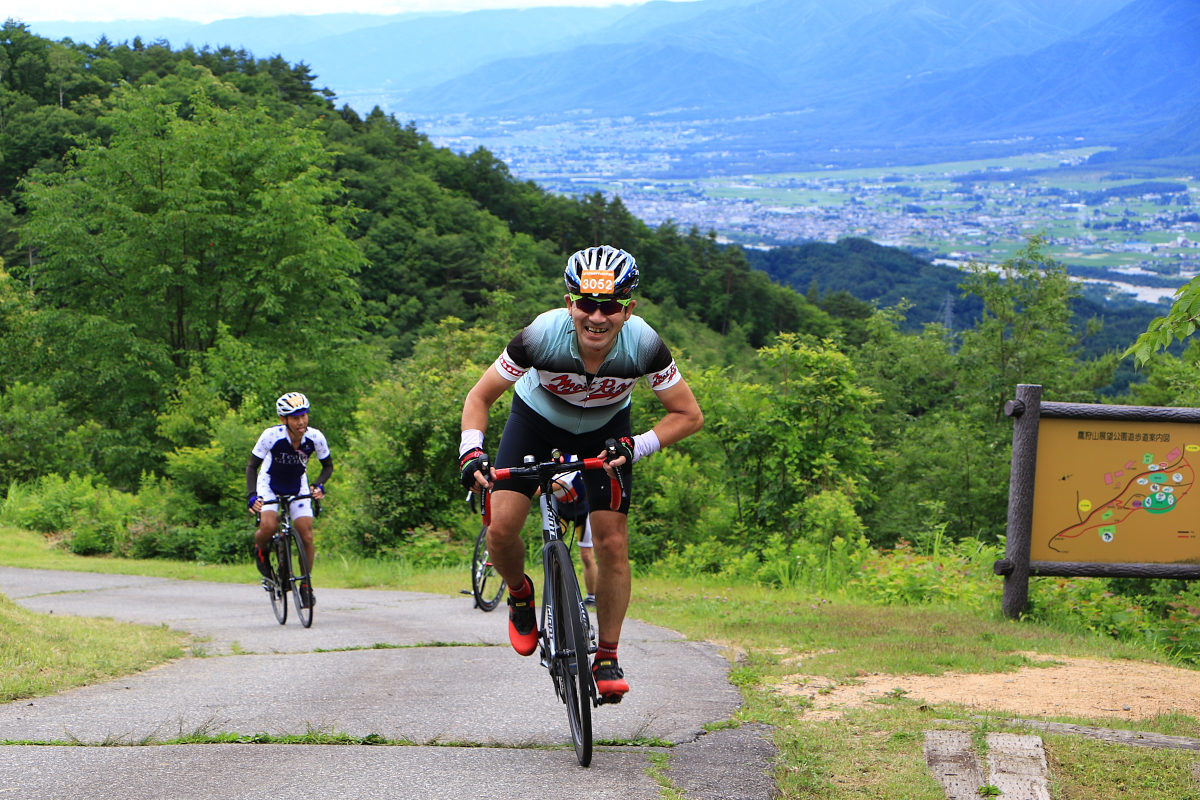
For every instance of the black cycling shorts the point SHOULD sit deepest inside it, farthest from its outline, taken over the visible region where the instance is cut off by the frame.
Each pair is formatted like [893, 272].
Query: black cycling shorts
[528, 433]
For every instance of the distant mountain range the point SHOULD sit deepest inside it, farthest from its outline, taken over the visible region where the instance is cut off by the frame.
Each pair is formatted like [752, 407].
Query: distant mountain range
[805, 75]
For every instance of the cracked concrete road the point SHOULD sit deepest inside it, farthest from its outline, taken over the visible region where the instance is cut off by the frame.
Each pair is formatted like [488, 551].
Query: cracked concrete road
[425, 669]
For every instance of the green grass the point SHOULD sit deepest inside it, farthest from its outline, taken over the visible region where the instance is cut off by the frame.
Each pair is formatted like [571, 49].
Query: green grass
[42, 654]
[870, 752]
[20, 548]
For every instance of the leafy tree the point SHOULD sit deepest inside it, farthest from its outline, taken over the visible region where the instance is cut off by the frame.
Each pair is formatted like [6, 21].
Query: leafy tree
[803, 433]
[1025, 334]
[947, 463]
[180, 225]
[1170, 381]
[912, 374]
[1178, 324]
[400, 472]
[94, 369]
[41, 435]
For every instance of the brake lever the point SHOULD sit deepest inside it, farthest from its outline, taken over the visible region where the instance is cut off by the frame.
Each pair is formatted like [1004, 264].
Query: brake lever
[486, 502]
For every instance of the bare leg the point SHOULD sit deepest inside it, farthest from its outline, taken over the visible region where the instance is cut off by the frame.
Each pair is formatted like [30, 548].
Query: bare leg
[506, 548]
[589, 569]
[304, 527]
[268, 523]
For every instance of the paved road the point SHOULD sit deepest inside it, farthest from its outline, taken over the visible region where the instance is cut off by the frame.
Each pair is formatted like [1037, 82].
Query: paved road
[420, 668]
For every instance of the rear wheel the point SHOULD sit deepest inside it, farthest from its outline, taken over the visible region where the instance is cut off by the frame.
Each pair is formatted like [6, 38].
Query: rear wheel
[302, 582]
[486, 583]
[571, 649]
[277, 557]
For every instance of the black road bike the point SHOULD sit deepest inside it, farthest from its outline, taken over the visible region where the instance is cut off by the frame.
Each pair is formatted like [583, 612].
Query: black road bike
[566, 635]
[290, 570]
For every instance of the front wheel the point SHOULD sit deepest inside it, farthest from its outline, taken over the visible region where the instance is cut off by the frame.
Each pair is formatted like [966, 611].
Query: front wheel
[486, 583]
[301, 580]
[571, 647]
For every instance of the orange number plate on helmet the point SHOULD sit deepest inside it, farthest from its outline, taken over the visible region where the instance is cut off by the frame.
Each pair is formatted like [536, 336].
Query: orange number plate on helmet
[596, 281]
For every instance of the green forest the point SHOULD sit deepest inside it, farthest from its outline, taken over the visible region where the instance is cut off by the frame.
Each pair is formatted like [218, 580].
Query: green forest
[188, 233]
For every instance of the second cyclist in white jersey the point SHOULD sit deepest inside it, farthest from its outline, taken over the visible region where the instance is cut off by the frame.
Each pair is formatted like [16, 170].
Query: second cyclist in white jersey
[278, 465]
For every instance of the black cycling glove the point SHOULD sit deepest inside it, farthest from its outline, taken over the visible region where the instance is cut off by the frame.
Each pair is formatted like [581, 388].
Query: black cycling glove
[468, 463]
[622, 447]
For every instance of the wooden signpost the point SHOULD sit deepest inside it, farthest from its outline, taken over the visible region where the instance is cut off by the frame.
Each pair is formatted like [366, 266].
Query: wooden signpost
[1099, 491]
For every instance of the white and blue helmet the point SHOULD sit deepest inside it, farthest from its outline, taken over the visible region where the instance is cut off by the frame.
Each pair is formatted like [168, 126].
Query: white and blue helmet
[605, 271]
[291, 403]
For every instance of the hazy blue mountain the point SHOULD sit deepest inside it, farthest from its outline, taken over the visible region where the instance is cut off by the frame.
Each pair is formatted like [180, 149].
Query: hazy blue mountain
[1129, 73]
[386, 59]
[760, 75]
[814, 51]
[379, 63]
[1177, 139]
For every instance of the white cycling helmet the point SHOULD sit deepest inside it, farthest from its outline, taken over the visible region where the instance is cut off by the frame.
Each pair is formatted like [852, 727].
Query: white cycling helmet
[605, 270]
[291, 403]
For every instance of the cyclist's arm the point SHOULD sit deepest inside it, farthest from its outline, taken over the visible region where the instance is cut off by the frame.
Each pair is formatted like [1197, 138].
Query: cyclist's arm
[252, 474]
[683, 416]
[326, 471]
[481, 398]
[317, 489]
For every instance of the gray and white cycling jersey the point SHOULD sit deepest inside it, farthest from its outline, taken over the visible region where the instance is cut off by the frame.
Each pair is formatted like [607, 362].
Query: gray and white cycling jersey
[543, 360]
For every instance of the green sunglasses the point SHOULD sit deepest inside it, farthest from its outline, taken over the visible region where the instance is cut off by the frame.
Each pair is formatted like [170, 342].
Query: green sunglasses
[610, 306]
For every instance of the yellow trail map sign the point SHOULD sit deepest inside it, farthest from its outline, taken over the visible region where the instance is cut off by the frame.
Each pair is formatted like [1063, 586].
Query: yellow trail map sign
[1116, 492]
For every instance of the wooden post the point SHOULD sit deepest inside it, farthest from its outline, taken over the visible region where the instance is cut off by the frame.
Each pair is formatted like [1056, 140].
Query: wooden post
[1025, 411]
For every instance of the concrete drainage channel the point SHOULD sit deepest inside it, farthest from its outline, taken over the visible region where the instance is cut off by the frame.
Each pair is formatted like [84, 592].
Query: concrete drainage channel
[1016, 766]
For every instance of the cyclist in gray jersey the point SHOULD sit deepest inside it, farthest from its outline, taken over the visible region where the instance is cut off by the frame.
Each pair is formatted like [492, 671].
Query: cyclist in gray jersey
[573, 370]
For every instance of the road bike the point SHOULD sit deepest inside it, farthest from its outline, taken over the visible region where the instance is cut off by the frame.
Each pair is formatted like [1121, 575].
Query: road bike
[486, 584]
[487, 587]
[289, 567]
[566, 635]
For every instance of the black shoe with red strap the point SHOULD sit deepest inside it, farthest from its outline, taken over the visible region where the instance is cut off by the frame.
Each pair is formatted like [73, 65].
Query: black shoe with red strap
[610, 679]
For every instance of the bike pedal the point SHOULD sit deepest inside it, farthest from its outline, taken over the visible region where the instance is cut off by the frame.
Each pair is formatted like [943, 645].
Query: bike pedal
[610, 699]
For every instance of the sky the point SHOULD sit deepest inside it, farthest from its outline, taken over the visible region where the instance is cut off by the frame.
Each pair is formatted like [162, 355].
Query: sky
[209, 10]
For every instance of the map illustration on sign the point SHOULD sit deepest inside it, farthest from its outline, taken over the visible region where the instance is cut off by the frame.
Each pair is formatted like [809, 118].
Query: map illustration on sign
[1116, 492]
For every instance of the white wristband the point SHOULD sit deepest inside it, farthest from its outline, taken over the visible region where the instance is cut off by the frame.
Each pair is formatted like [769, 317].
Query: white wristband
[471, 439]
[644, 444]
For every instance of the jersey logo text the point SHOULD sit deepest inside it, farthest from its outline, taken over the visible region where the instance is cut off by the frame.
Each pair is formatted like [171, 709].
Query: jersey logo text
[562, 384]
[666, 376]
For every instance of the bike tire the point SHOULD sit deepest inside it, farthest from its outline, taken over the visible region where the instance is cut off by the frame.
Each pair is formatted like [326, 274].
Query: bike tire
[277, 557]
[486, 583]
[300, 574]
[571, 646]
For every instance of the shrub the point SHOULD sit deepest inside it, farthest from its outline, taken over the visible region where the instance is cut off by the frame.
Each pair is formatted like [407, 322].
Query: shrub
[47, 505]
[677, 504]
[956, 574]
[401, 469]
[827, 515]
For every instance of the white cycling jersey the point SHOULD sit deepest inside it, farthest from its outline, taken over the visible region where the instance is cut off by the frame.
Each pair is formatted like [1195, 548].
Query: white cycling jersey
[543, 360]
[284, 468]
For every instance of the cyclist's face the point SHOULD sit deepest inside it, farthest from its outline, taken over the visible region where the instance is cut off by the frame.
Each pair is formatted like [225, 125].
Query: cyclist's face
[297, 423]
[597, 331]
